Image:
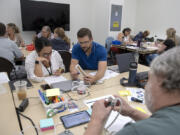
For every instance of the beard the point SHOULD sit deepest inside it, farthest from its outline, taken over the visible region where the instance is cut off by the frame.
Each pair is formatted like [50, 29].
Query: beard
[149, 100]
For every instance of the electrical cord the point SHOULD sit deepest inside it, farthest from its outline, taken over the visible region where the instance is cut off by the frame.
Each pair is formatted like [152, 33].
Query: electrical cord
[31, 122]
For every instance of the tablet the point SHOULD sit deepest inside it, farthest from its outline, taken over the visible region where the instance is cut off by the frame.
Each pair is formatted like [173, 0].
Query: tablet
[75, 119]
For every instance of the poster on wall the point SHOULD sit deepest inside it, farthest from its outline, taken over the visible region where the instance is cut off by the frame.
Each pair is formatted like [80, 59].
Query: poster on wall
[116, 16]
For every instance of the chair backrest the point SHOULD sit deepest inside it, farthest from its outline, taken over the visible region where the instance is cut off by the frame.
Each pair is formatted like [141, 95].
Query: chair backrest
[66, 56]
[108, 43]
[6, 66]
[124, 60]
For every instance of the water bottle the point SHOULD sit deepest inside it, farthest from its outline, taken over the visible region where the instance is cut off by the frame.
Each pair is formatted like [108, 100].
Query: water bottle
[132, 74]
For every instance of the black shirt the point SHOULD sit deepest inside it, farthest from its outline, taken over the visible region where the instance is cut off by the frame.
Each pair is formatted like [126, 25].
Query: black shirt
[169, 44]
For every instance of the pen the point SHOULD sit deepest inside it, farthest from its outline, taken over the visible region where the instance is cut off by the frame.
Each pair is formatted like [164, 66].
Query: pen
[41, 95]
[136, 100]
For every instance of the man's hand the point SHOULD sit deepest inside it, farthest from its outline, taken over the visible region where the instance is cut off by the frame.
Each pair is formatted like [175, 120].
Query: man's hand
[125, 108]
[100, 113]
[98, 118]
[74, 74]
[89, 79]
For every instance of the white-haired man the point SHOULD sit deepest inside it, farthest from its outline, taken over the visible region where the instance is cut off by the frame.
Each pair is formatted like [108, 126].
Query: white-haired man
[162, 97]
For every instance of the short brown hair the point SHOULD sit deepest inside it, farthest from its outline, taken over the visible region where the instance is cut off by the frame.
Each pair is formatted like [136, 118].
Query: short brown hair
[2, 29]
[84, 32]
[14, 27]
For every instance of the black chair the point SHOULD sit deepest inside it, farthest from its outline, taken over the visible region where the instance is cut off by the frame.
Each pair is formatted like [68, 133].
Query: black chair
[6, 66]
[66, 56]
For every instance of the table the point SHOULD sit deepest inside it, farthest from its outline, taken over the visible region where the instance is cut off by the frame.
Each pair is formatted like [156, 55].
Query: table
[36, 111]
[9, 124]
[24, 51]
[145, 50]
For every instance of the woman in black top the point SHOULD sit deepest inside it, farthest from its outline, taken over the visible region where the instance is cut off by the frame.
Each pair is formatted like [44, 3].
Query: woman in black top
[60, 41]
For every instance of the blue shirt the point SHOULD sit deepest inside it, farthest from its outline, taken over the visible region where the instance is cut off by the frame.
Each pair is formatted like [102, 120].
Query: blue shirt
[98, 53]
[59, 44]
[139, 37]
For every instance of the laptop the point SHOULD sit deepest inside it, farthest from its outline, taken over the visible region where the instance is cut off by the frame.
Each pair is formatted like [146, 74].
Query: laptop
[64, 86]
[124, 60]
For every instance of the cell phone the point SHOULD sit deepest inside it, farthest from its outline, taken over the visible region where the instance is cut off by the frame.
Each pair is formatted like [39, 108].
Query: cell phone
[45, 86]
[75, 119]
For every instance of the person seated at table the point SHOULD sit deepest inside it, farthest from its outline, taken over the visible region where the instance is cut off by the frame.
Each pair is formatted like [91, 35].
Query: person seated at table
[171, 34]
[60, 41]
[9, 49]
[141, 36]
[169, 43]
[46, 32]
[125, 36]
[162, 98]
[89, 55]
[13, 34]
[44, 61]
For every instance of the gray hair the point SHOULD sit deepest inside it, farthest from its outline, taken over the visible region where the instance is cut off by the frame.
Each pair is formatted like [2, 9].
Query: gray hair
[167, 66]
[47, 28]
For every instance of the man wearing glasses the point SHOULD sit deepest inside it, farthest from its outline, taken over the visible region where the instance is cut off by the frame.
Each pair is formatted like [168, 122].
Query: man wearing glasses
[89, 55]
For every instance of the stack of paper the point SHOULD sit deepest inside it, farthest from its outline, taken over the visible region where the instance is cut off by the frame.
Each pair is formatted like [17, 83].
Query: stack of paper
[108, 74]
[136, 93]
[53, 79]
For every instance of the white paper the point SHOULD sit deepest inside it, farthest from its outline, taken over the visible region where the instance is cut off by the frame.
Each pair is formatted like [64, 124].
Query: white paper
[108, 74]
[3, 77]
[137, 93]
[53, 79]
[120, 122]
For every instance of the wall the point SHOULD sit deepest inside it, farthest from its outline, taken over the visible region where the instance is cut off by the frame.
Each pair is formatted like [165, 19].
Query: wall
[128, 15]
[100, 14]
[157, 16]
[11, 13]
[80, 16]
[83, 13]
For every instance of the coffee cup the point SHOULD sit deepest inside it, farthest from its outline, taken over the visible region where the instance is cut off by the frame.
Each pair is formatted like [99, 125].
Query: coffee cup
[21, 87]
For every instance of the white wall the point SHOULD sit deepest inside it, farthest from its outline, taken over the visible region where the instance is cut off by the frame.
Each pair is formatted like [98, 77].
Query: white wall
[94, 14]
[80, 16]
[11, 13]
[157, 16]
[128, 15]
[100, 18]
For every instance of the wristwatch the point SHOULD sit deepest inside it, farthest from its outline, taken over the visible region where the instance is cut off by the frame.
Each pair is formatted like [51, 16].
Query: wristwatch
[36, 62]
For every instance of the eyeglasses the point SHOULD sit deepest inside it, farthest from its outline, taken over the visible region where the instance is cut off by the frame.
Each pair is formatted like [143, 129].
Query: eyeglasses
[47, 54]
[85, 42]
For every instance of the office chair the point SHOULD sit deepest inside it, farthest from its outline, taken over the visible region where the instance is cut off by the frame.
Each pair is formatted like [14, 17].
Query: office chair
[6, 66]
[66, 56]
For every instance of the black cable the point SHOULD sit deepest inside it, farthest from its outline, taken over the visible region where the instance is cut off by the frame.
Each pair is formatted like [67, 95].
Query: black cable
[18, 113]
[30, 121]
